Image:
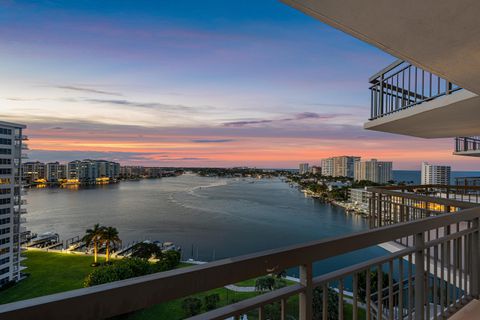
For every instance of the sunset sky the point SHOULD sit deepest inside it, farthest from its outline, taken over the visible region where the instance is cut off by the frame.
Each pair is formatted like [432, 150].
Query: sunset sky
[193, 83]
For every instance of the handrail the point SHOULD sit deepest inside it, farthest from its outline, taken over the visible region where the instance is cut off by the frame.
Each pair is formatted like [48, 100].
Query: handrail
[402, 85]
[424, 198]
[129, 295]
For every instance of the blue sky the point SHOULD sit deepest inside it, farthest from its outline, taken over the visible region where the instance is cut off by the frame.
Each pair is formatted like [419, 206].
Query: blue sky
[187, 83]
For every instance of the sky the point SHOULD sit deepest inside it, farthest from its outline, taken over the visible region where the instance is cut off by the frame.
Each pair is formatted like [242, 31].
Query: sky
[193, 83]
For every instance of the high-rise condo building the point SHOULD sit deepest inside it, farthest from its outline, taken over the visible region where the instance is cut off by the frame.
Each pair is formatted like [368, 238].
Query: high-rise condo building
[303, 168]
[327, 167]
[11, 203]
[34, 171]
[344, 166]
[434, 174]
[373, 170]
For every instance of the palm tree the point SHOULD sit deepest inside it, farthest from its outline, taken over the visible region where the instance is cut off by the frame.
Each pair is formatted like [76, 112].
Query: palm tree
[93, 237]
[110, 237]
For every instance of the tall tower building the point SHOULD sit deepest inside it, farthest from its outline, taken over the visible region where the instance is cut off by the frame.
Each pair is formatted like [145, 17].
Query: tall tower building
[11, 203]
[434, 174]
[373, 170]
[303, 168]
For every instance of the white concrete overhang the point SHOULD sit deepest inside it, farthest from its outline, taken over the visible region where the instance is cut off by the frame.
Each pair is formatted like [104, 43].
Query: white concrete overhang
[440, 36]
[454, 115]
[470, 153]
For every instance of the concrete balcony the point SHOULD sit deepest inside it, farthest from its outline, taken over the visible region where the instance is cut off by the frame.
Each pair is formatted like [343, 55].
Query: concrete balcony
[467, 146]
[431, 277]
[410, 101]
[21, 137]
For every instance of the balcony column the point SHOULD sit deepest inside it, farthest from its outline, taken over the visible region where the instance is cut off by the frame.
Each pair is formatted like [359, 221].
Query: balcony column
[419, 276]
[475, 259]
[306, 297]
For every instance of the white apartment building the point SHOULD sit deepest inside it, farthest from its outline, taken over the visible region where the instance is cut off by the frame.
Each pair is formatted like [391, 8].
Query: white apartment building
[11, 203]
[434, 174]
[360, 197]
[342, 166]
[327, 167]
[373, 170]
[303, 168]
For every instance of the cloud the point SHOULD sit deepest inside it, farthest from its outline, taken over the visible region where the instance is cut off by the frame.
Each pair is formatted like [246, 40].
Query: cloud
[89, 90]
[212, 140]
[147, 105]
[296, 117]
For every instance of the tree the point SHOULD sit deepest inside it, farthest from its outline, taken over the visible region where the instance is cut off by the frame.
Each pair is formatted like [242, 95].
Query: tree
[170, 259]
[264, 283]
[109, 236]
[362, 283]
[211, 301]
[332, 302]
[192, 306]
[146, 251]
[93, 237]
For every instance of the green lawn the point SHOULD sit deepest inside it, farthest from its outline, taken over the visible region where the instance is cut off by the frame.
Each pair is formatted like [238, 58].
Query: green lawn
[49, 273]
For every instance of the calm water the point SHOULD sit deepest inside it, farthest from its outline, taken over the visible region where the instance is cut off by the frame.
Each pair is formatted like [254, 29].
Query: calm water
[219, 217]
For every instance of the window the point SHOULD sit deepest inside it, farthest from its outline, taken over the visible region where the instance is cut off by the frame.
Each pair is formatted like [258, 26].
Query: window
[4, 231]
[5, 161]
[4, 260]
[5, 131]
[4, 211]
[4, 270]
[4, 251]
[4, 221]
[6, 171]
[5, 151]
[5, 201]
[5, 190]
[4, 241]
[7, 142]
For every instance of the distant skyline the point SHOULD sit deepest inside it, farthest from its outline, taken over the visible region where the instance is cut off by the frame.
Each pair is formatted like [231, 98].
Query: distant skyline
[188, 83]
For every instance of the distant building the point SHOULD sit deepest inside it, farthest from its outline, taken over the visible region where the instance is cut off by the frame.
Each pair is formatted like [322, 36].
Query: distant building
[303, 168]
[434, 174]
[73, 169]
[342, 166]
[360, 198]
[52, 171]
[12, 233]
[373, 170]
[315, 170]
[34, 171]
[132, 172]
[327, 167]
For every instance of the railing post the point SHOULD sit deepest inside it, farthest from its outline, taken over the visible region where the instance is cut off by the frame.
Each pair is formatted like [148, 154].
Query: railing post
[475, 259]
[306, 297]
[419, 276]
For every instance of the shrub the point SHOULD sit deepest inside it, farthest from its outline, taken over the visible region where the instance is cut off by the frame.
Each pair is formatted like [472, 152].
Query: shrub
[211, 301]
[144, 250]
[192, 306]
[332, 309]
[118, 270]
[170, 260]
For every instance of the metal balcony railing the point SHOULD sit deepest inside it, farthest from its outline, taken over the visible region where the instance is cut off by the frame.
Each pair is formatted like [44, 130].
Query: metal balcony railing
[465, 144]
[402, 85]
[432, 277]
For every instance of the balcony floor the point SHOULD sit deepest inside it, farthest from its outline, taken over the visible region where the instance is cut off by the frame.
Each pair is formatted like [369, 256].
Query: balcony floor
[470, 312]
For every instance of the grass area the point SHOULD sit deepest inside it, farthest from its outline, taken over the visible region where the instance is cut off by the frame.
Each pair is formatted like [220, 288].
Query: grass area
[49, 273]
[251, 283]
[173, 310]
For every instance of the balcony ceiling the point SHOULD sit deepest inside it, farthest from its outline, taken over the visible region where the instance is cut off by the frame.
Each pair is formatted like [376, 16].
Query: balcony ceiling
[441, 36]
